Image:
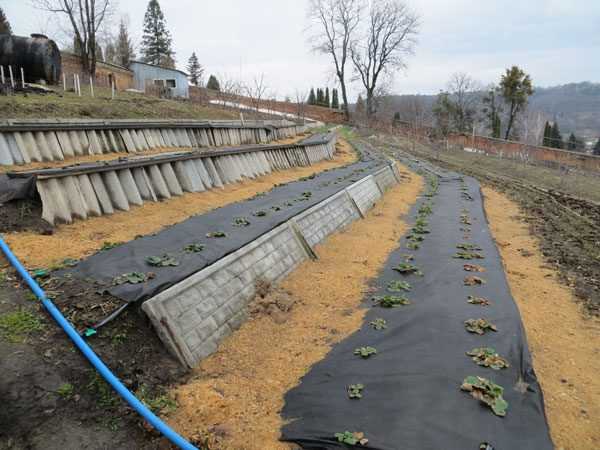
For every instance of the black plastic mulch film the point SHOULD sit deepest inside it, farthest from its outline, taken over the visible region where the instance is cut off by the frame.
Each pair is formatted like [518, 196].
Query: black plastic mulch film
[411, 397]
[263, 213]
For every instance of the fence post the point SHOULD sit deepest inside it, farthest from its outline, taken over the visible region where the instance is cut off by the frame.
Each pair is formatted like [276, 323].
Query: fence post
[92, 86]
[2, 74]
[112, 88]
[78, 86]
[22, 78]
[64, 78]
[12, 79]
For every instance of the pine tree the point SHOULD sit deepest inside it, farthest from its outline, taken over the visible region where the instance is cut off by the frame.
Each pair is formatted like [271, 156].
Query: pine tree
[124, 46]
[213, 83]
[319, 96]
[110, 54]
[572, 143]
[335, 101]
[156, 41]
[327, 101]
[547, 141]
[396, 121]
[4, 24]
[596, 150]
[311, 97]
[556, 137]
[492, 110]
[195, 70]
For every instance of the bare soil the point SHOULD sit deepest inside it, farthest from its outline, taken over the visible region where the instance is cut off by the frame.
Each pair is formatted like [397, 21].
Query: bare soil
[235, 395]
[563, 339]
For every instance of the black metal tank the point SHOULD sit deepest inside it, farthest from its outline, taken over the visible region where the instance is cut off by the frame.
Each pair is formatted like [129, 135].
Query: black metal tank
[37, 55]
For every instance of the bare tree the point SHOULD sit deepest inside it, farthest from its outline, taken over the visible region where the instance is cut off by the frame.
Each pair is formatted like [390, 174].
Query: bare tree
[301, 97]
[256, 90]
[229, 91]
[335, 23]
[86, 18]
[388, 36]
[465, 97]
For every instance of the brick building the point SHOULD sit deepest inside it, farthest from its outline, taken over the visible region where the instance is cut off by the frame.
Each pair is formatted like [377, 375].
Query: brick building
[106, 73]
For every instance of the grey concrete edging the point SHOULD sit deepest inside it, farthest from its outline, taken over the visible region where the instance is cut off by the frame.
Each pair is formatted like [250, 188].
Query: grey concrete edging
[193, 316]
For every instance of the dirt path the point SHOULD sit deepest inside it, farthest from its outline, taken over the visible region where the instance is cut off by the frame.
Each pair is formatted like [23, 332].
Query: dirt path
[564, 343]
[237, 393]
[84, 238]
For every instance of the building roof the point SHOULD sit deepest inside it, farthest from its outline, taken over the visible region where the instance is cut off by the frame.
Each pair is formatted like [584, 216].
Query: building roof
[159, 67]
[98, 62]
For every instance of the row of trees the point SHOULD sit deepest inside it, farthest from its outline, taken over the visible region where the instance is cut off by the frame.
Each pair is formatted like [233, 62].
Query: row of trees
[4, 24]
[554, 139]
[321, 98]
[459, 105]
[372, 37]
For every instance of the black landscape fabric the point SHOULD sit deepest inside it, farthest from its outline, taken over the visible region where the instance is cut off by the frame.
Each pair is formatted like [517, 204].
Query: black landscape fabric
[16, 189]
[411, 398]
[279, 205]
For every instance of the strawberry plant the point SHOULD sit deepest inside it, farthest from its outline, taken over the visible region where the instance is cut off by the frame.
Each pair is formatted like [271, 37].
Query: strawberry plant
[216, 234]
[479, 326]
[474, 281]
[398, 286]
[240, 222]
[162, 261]
[356, 438]
[391, 301]
[478, 301]
[407, 268]
[355, 391]
[473, 268]
[193, 248]
[365, 352]
[468, 255]
[379, 324]
[413, 246]
[488, 392]
[132, 278]
[488, 357]
[259, 213]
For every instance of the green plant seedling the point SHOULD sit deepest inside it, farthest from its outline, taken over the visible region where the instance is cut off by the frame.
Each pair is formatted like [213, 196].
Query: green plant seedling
[478, 301]
[419, 229]
[468, 247]
[413, 246]
[379, 324]
[260, 213]
[408, 268]
[474, 281]
[398, 286]
[307, 194]
[240, 222]
[415, 238]
[425, 209]
[488, 357]
[65, 390]
[193, 248]
[159, 404]
[109, 245]
[487, 392]
[216, 234]
[468, 255]
[162, 261]
[133, 278]
[355, 438]
[365, 352]
[473, 268]
[479, 326]
[355, 391]
[69, 262]
[464, 219]
[276, 208]
[391, 301]
[421, 222]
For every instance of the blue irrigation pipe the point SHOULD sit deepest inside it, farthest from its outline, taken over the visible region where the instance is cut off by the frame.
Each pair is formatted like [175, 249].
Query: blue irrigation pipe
[92, 357]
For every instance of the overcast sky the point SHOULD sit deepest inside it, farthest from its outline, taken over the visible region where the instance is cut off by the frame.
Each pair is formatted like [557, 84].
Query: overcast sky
[556, 41]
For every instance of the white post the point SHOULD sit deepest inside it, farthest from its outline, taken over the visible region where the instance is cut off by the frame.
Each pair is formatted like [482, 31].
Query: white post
[78, 85]
[75, 83]
[242, 117]
[92, 86]
[2, 74]
[22, 78]
[64, 82]
[12, 79]
[112, 88]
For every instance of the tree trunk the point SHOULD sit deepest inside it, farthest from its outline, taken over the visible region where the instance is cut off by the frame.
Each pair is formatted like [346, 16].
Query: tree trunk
[511, 119]
[344, 98]
[370, 104]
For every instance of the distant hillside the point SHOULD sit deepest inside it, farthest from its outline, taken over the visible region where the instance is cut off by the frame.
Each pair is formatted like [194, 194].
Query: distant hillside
[575, 106]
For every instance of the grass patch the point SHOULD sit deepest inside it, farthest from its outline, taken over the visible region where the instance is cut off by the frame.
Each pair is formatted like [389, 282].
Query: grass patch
[65, 390]
[104, 394]
[159, 404]
[17, 325]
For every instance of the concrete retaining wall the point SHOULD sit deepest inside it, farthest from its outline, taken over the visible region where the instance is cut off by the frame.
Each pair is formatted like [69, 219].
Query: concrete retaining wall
[26, 142]
[193, 316]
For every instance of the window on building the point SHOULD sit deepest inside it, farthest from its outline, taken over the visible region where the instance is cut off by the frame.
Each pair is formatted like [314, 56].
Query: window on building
[171, 83]
[159, 82]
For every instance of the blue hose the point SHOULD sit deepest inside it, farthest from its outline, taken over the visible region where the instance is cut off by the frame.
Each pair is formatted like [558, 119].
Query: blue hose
[92, 357]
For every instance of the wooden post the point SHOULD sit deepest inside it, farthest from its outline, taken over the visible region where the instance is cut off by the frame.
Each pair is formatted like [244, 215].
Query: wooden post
[12, 79]
[22, 78]
[92, 86]
[112, 88]
[64, 82]
[2, 74]
[78, 85]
